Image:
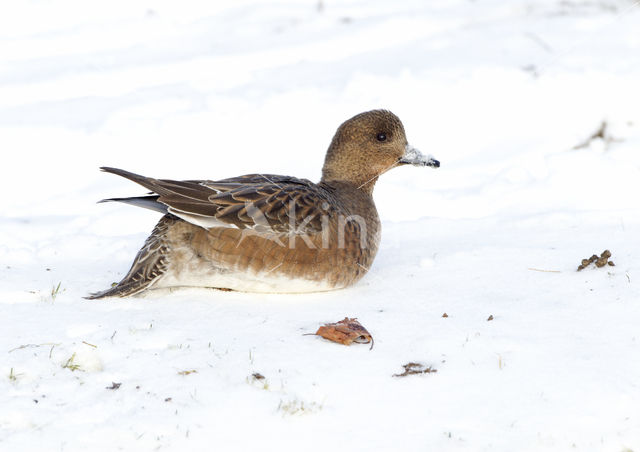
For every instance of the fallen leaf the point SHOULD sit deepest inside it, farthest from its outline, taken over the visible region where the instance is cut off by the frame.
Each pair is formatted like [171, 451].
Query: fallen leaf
[345, 332]
[490, 318]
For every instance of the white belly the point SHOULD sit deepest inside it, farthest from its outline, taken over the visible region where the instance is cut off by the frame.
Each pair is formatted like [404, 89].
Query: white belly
[241, 281]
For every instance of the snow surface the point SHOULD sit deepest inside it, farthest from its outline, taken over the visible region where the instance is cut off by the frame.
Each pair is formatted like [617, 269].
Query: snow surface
[499, 92]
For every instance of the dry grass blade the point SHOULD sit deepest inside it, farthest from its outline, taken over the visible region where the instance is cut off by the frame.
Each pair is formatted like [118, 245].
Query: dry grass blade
[545, 271]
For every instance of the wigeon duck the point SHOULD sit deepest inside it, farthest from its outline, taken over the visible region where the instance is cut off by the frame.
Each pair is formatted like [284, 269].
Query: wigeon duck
[268, 233]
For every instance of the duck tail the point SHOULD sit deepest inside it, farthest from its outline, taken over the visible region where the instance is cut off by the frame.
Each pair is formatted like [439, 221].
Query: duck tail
[148, 202]
[150, 264]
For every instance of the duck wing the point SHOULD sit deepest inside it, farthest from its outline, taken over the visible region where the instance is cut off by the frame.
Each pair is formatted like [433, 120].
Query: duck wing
[263, 202]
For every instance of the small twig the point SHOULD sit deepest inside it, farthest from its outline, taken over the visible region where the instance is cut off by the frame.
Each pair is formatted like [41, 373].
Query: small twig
[602, 134]
[90, 345]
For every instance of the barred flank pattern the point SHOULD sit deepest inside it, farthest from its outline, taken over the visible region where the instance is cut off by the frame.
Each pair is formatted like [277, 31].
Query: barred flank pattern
[150, 263]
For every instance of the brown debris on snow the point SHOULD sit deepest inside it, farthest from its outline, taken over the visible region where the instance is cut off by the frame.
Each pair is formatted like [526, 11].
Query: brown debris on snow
[414, 369]
[600, 134]
[598, 261]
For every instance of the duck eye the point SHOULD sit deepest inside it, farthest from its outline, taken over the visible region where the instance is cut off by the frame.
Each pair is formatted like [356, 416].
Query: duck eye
[381, 137]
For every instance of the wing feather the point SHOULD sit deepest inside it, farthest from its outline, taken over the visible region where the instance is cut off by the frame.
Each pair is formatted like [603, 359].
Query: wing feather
[283, 204]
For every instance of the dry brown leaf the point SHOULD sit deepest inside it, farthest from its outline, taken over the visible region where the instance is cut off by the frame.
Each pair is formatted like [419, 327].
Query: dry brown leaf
[345, 332]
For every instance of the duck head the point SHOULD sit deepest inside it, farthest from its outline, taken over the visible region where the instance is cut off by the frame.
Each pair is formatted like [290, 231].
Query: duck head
[368, 145]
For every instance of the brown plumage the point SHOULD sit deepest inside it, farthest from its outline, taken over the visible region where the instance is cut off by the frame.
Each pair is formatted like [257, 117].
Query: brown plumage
[269, 233]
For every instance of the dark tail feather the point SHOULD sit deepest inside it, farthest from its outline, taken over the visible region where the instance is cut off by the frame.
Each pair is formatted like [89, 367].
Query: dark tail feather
[191, 189]
[147, 202]
[118, 290]
[147, 182]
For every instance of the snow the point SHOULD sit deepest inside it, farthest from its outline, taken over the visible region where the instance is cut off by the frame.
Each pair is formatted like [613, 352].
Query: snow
[499, 92]
[417, 158]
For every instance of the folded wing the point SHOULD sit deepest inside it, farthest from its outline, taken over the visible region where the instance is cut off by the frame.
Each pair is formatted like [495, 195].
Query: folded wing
[263, 202]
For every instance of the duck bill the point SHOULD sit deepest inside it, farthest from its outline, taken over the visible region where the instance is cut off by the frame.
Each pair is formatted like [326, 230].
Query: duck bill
[413, 156]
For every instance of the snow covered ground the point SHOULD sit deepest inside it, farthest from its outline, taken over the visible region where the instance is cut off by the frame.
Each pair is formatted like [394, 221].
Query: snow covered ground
[500, 92]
